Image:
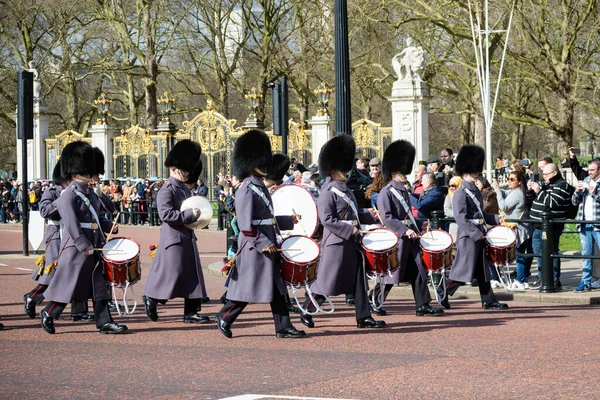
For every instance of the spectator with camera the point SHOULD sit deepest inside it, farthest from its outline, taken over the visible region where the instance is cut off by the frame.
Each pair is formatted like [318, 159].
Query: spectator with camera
[447, 158]
[552, 195]
[587, 197]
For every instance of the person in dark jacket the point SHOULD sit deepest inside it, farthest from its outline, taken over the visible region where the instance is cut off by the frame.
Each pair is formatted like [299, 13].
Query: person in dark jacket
[467, 204]
[202, 189]
[430, 199]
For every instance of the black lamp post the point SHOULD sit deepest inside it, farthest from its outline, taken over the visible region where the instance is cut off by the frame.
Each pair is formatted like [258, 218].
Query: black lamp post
[343, 111]
[591, 140]
[323, 92]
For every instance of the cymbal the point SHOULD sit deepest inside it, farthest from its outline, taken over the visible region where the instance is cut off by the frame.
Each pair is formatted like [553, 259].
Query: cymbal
[206, 211]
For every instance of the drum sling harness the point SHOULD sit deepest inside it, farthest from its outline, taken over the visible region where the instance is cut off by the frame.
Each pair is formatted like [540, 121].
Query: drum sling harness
[347, 200]
[405, 206]
[478, 205]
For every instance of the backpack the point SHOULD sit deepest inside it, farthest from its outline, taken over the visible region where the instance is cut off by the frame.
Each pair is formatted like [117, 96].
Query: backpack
[33, 197]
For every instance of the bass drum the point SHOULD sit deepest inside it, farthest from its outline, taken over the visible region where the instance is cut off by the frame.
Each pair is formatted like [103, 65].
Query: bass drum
[290, 199]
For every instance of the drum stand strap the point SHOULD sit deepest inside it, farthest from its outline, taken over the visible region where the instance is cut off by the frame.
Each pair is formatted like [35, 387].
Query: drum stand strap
[379, 280]
[503, 272]
[439, 288]
[312, 299]
[125, 304]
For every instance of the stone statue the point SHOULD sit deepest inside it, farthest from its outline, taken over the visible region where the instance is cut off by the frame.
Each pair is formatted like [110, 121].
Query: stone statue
[37, 83]
[409, 63]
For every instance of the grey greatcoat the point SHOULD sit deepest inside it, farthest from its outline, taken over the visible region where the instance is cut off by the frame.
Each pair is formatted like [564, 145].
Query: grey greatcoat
[395, 218]
[176, 270]
[49, 211]
[79, 277]
[337, 269]
[256, 275]
[470, 242]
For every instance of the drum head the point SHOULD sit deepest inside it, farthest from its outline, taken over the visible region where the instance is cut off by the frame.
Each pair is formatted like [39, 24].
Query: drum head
[127, 249]
[290, 198]
[303, 250]
[380, 239]
[501, 236]
[435, 240]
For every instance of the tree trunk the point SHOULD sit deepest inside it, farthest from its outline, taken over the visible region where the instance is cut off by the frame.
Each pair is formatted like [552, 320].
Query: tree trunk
[151, 70]
[131, 103]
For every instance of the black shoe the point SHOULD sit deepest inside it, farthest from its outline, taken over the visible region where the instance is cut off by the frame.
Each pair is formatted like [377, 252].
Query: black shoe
[47, 322]
[29, 306]
[429, 311]
[350, 302]
[291, 332]
[557, 286]
[494, 304]
[195, 318]
[112, 328]
[535, 285]
[369, 322]
[224, 327]
[307, 320]
[292, 308]
[205, 300]
[1, 326]
[82, 317]
[380, 311]
[150, 306]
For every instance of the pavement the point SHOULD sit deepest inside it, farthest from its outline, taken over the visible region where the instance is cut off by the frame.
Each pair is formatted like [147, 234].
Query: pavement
[533, 350]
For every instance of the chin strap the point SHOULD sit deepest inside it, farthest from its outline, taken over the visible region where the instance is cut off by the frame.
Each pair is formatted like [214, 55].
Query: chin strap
[260, 172]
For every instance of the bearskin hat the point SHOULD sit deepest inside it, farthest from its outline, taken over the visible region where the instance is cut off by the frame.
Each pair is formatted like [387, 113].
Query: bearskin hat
[337, 155]
[251, 150]
[280, 165]
[184, 155]
[56, 177]
[98, 161]
[195, 172]
[470, 159]
[398, 157]
[77, 158]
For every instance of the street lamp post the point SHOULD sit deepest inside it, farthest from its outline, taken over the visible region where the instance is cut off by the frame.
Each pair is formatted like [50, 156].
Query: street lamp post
[102, 104]
[323, 92]
[343, 111]
[591, 140]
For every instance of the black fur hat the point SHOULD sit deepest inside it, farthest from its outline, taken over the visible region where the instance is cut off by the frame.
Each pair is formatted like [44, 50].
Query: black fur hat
[77, 158]
[184, 155]
[470, 159]
[337, 155]
[251, 150]
[98, 161]
[280, 165]
[398, 157]
[56, 177]
[195, 172]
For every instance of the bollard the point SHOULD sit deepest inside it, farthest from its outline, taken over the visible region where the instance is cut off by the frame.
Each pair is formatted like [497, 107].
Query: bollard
[547, 260]
[436, 219]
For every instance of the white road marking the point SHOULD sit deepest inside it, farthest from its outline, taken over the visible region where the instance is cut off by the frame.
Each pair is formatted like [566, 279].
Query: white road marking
[266, 396]
[24, 269]
[3, 265]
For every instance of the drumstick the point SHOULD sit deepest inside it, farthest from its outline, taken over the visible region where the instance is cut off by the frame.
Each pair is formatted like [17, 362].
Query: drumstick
[106, 249]
[280, 250]
[378, 216]
[493, 238]
[374, 231]
[113, 226]
[300, 222]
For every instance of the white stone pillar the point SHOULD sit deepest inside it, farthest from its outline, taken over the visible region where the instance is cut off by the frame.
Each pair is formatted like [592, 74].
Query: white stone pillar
[321, 133]
[102, 137]
[410, 115]
[36, 147]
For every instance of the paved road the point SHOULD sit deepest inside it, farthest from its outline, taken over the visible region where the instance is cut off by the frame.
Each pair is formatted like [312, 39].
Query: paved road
[533, 350]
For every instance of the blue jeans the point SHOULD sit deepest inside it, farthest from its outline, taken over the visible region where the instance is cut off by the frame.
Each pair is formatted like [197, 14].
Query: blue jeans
[537, 248]
[588, 236]
[524, 263]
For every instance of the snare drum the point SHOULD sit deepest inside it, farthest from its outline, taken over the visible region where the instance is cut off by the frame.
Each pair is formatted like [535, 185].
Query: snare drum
[381, 251]
[121, 265]
[299, 262]
[290, 198]
[436, 249]
[501, 245]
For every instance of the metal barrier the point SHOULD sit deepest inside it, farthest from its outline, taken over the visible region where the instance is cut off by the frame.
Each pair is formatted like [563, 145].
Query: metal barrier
[547, 227]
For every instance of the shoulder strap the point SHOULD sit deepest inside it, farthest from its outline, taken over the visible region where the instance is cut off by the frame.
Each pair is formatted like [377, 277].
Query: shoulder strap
[477, 204]
[92, 210]
[404, 205]
[347, 200]
[262, 196]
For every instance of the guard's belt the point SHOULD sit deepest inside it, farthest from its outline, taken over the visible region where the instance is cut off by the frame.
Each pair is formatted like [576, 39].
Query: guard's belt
[53, 222]
[267, 221]
[349, 222]
[88, 225]
[478, 221]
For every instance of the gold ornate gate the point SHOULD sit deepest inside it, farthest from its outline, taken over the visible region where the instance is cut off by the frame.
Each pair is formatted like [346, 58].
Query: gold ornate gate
[137, 153]
[371, 139]
[55, 146]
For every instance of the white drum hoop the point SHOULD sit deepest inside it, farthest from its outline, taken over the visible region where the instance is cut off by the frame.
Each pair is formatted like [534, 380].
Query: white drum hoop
[501, 237]
[303, 250]
[379, 240]
[436, 241]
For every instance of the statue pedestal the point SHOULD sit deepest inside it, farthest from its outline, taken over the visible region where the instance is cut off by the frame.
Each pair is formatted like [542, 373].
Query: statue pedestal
[102, 137]
[36, 147]
[321, 133]
[410, 115]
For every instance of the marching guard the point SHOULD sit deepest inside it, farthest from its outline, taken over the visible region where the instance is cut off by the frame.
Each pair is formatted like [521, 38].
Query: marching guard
[467, 205]
[393, 205]
[256, 275]
[341, 268]
[176, 270]
[78, 275]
